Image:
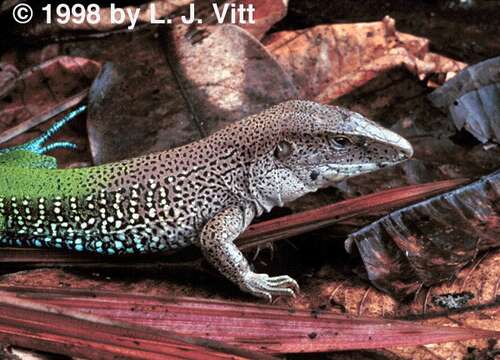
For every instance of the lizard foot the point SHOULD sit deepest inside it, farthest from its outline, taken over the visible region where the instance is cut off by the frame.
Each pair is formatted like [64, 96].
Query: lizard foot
[264, 286]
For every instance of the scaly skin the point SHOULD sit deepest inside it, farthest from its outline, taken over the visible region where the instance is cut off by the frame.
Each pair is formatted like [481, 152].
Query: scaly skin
[205, 193]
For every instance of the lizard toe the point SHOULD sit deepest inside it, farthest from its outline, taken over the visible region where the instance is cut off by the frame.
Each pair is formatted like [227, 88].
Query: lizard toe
[259, 284]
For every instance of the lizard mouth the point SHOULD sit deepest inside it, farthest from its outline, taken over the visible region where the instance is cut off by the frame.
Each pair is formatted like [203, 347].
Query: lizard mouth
[338, 172]
[334, 173]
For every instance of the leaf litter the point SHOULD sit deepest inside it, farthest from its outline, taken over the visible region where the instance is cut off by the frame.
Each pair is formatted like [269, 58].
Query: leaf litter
[396, 59]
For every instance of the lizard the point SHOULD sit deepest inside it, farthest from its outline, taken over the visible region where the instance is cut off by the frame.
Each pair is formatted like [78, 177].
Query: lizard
[204, 193]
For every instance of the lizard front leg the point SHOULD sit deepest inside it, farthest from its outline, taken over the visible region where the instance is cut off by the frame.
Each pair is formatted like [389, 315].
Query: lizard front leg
[216, 242]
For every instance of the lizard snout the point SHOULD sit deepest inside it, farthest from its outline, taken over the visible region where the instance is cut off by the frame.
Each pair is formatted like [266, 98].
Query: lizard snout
[405, 149]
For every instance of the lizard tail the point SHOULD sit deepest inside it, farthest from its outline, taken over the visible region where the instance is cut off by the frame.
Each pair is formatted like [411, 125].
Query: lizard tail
[38, 146]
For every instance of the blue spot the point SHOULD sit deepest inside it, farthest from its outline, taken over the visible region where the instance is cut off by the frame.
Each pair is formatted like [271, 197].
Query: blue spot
[118, 244]
[140, 247]
[79, 247]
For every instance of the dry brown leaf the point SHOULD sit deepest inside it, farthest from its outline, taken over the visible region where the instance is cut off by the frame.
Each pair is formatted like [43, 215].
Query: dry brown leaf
[8, 75]
[328, 61]
[29, 99]
[482, 310]
[267, 13]
[42, 87]
[200, 88]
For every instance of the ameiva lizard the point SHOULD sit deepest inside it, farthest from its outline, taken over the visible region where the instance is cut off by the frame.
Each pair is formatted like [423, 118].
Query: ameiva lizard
[205, 193]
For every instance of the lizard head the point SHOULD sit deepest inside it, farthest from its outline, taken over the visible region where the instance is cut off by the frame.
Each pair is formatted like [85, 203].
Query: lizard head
[317, 145]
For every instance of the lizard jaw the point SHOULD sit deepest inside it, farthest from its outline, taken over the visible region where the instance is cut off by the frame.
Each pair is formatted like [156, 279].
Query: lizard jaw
[339, 172]
[335, 173]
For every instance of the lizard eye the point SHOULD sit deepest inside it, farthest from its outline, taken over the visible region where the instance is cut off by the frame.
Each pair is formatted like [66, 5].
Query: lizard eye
[283, 150]
[340, 141]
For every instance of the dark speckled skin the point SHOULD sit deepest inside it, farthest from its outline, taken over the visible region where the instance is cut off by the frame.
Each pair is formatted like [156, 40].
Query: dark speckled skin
[204, 193]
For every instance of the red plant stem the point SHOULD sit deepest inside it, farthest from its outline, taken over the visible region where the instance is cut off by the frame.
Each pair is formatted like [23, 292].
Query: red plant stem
[61, 330]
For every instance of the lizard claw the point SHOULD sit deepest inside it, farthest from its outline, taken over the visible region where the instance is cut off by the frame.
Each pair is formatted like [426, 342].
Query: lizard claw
[269, 246]
[264, 286]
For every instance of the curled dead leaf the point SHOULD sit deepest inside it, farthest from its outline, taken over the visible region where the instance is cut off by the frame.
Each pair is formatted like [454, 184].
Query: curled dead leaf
[431, 241]
[472, 98]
